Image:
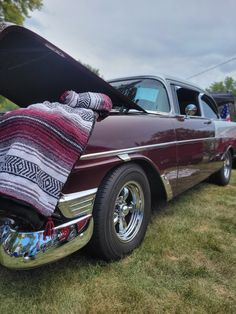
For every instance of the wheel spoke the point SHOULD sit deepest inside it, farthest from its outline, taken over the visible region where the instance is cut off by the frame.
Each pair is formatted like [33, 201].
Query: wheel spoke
[115, 218]
[122, 224]
[125, 193]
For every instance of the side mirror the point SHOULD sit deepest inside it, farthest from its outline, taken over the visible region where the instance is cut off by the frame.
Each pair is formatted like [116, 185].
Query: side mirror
[190, 110]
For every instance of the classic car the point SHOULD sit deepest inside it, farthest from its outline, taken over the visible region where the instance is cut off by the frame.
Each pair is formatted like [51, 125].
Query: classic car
[163, 136]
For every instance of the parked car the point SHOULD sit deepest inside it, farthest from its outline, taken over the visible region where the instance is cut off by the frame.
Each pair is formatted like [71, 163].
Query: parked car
[163, 136]
[223, 99]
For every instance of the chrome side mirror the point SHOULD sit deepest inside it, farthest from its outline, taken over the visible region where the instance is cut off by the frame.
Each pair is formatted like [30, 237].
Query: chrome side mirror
[190, 110]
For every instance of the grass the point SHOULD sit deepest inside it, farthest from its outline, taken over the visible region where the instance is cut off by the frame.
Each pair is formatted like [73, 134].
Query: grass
[187, 264]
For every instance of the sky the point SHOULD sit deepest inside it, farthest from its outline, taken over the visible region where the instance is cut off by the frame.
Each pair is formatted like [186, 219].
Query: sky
[134, 37]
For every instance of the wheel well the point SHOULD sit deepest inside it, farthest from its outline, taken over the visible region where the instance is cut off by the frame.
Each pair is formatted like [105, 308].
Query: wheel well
[233, 159]
[158, 192]
[157, 189]
[231, 152]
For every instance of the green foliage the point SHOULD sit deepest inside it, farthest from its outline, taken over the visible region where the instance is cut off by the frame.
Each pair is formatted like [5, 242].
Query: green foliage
[16, 11]
[228, 85]
[6, 105]
[96, 71]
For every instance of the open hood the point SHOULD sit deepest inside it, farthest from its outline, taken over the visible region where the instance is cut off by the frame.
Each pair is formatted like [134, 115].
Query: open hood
[33, 70]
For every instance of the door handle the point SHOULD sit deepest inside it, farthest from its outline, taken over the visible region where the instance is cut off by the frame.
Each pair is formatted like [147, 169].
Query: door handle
[207, 122]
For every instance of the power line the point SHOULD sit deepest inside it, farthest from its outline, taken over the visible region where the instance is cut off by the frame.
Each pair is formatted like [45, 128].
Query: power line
[211, 68]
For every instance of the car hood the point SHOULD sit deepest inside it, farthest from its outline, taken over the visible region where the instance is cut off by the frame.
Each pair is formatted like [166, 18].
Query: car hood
[33, 70]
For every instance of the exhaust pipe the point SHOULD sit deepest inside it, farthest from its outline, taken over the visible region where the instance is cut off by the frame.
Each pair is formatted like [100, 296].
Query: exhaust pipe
[26, 250]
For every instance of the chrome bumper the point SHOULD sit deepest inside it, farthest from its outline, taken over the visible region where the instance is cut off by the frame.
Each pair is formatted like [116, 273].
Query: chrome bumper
[25, 250]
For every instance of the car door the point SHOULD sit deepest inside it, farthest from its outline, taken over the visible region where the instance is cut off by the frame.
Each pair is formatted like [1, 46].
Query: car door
[194, 136]
[221, 127]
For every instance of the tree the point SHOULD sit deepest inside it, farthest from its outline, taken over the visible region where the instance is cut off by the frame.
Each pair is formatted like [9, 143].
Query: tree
[228, 85]
[15, 11]
[94, 70]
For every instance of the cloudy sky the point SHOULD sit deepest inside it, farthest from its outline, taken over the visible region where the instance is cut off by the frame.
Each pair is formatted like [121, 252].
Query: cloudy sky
[134, 37]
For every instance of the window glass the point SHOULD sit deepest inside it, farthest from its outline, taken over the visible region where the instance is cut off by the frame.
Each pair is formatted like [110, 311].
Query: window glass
[207, 110]
[185, 97]
[149, 94]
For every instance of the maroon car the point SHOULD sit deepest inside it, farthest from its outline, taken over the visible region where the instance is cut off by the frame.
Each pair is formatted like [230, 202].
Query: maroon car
[163, 136]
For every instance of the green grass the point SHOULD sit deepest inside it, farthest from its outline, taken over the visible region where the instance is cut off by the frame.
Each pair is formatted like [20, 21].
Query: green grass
[187, 264]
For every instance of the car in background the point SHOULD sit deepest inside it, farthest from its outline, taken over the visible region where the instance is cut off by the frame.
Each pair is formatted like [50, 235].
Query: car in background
[227, 99]
[163, 136]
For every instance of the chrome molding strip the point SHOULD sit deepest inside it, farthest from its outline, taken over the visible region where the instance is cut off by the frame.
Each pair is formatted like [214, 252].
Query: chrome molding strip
[124, 157]
[139, 148]
[167, 186]
[77, 204]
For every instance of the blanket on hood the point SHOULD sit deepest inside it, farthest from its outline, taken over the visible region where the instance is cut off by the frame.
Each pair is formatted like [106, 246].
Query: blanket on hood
[40, 144]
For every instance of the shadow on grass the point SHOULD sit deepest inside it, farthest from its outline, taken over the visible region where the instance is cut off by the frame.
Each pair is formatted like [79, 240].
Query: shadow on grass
[29, 282]
[167, 208]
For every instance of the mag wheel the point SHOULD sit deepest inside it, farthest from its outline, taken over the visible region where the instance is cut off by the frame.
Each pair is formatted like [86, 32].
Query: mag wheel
[222, 177]
[121, 212]
[129, 211]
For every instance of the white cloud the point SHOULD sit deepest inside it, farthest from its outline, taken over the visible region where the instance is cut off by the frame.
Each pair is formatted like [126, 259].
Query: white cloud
[180, 38]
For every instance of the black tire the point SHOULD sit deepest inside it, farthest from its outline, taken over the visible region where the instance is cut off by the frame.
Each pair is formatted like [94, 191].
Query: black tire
[120, 228]
[222, 177]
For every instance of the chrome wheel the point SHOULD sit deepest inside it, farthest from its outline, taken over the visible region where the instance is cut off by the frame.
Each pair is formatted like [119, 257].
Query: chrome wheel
[227, 166]
[129, 211]
[121, 214]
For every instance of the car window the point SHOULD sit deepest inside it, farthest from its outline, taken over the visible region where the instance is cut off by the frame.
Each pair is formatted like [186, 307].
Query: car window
[185, 97]
[208, 112]
[149, 94]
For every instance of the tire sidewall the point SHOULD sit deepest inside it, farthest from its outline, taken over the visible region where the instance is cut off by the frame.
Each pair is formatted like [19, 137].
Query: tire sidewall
[225, 180]
[132, 173]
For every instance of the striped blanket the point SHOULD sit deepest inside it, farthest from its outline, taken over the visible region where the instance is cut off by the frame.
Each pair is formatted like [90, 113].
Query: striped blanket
[39, 146]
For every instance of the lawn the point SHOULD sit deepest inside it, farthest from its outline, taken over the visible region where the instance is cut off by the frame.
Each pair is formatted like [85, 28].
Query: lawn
[187, 264]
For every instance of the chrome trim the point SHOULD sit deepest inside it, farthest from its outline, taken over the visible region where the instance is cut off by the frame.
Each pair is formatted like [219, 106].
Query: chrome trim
[26, 250]
[124, 157]
[139, 148]
[167, 186]
[227, 166]
[224, 155]
[128, 212]
[77, 204]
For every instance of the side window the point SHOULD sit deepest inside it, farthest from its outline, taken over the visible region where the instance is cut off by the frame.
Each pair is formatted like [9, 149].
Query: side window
[149, 94]
[185, 97]
[207, 109]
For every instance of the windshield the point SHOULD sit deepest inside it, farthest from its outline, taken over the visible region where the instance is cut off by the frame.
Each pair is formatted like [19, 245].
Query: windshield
[149, 94]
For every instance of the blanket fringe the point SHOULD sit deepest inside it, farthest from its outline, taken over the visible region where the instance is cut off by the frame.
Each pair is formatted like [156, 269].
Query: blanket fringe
[49, 228]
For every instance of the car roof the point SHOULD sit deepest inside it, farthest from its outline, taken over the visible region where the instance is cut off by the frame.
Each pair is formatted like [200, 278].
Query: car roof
[163, 77]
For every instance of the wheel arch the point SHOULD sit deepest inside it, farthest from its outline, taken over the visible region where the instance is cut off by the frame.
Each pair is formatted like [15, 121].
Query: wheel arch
[158, 190]
[229, 149]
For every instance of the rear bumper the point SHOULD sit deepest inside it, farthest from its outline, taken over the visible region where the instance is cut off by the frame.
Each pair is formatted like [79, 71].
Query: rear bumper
[25, 250]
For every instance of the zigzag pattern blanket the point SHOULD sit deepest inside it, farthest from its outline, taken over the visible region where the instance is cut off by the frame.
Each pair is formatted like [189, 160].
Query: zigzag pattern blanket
[39, 146]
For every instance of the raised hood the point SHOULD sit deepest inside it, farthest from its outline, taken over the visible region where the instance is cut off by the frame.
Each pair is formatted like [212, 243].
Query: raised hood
[33, 70]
